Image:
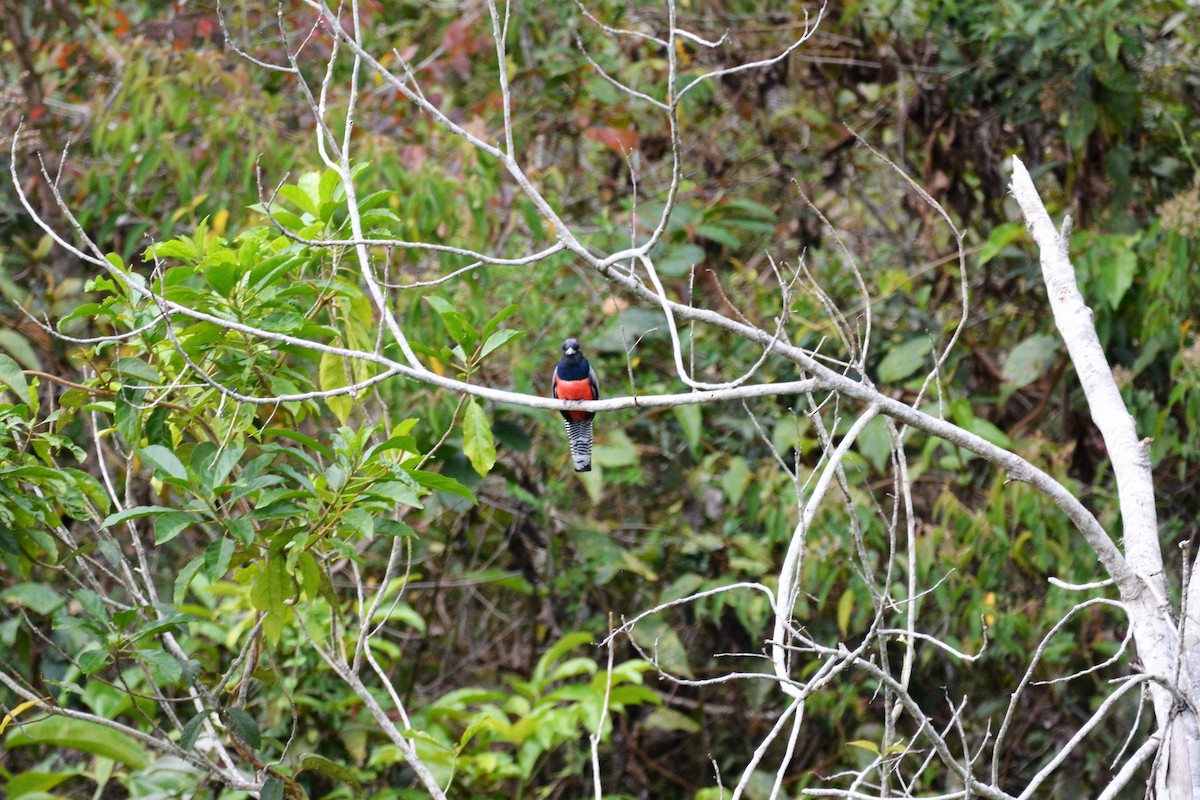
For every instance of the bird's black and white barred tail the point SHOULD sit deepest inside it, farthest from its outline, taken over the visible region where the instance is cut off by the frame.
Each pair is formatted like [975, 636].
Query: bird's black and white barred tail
[579, 434]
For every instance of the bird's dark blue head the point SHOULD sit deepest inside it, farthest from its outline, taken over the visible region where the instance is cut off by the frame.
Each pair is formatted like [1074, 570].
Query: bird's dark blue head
[572, 352]
[573, 366]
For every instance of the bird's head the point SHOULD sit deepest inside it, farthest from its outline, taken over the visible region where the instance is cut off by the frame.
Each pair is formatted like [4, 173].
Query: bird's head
[571, 347]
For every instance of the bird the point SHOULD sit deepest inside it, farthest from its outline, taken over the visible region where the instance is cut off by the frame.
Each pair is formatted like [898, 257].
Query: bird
[574, 379]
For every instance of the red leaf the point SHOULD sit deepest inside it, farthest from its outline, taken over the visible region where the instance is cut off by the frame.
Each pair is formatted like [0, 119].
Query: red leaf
[457, 40]
[122, 25]
[622, 141]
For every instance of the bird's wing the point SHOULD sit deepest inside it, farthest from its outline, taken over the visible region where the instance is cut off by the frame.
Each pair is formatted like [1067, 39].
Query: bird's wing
[554, 383]
[594, 382]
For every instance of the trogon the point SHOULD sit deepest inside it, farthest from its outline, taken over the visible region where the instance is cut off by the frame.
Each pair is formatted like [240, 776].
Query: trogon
[574, 379]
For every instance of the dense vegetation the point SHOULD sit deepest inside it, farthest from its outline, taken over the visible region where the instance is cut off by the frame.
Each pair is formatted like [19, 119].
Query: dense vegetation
[256, 522]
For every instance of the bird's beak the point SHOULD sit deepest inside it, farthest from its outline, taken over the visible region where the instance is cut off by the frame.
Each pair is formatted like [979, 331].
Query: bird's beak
[570, 351]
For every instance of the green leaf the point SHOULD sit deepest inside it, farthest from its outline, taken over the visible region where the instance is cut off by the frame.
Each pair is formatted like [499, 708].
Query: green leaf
[719, 234]
[37, 597]
[31, 785]
[601, 91]
[133, 513]
[213, 472]
[92, 661]
[1029, 360]
[281, 215]
[618, 451]
[307, 441]
[1002, 236]
[441, 483]
[751, 225]
[626, 328]
[400, 612]
[244, 727]
[165, 668]
[499, 339]
[1116, 275]
[477, 439]
[117, 263]
[633, 694]
[271, 591]
[169, 525]
[400, 493]
[573, 667]
[986, 430]
[216, 558]
[300, 198]
[310, 575]
[12, 377]
[683, 586]
[690, 420]
[358, 520]
[272, 789]
[679, 260]
[1112, 43]
[222, 276]
[128, 415]
[478, 724]
[164, 461]
[82, 735]
[191, 731]
[396, 442]
[875, 442]
[663, 644]
[389, 527]
[330, 179]
[735, 480]
[557, 650]
[171, 622]
[315, 763]
[136, 368]
[20, 349]
[92, 604]
[750, 207]
[668, 719]
[904, 359]
[374, 200]
[180, 249]
[1080, 124]
[456, 322]
[494, 322]
[184, 579]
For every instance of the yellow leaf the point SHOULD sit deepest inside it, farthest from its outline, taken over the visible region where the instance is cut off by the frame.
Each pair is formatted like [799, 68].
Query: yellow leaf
[844, 609]
[16, 712]
[682, 53]
[613, 305]
[332, 375]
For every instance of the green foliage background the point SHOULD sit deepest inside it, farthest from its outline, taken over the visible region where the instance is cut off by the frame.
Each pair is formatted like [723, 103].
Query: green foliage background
[518, 566]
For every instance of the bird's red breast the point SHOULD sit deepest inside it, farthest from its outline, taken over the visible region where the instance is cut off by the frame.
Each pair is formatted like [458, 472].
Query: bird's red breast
[574, 390]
